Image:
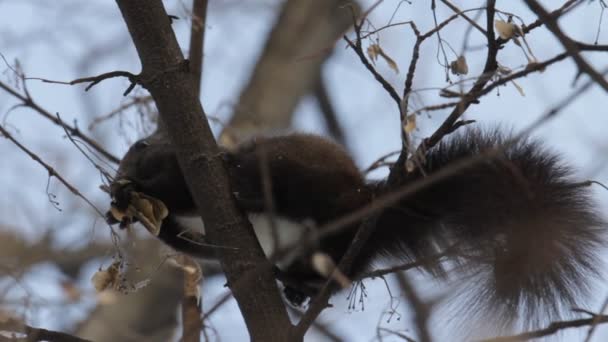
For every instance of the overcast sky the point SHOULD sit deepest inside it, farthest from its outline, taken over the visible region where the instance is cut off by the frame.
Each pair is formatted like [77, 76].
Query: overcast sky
[67, 39]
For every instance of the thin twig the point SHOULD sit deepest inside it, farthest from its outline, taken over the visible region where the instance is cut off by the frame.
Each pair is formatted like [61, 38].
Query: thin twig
[97, 79]
[553, 328]
[568, 5]
[421, 309]
[94, 80]
[488, 71]
[328, 111]
[404, 267]
[320, 302]
[573, 49]
[459, 12]
[387, 86]
[357, 47]
[380, 161]
[36, 334]
[52, 172]
[135, 101]
[596, 320]
[75, 131]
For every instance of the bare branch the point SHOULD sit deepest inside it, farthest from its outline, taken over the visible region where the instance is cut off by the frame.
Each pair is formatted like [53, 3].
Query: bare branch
[197, 40]
[97, 79]
[134, 102]
[328, 112]
[52, 172]
[550, 330]
[387, 86]
[287, 70]
[421, 309]
[27, 101]
[203, 167]
[571, 46]
[461, 13]
[487, 73]
[36, 334]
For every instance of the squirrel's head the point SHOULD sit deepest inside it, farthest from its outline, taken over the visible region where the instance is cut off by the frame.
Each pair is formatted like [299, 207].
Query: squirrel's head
[147, 158]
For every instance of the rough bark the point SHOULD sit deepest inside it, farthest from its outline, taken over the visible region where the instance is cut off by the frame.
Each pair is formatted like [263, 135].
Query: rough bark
[167, 78]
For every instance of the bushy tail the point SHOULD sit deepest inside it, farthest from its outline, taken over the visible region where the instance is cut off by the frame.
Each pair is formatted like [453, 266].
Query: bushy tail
[521, 231]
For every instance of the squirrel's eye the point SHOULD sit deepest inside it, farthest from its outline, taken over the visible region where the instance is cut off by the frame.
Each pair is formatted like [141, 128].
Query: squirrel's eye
[141, 144]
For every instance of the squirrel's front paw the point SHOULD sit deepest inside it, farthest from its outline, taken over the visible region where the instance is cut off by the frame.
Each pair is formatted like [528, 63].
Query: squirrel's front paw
[111, 219]
[121, 190]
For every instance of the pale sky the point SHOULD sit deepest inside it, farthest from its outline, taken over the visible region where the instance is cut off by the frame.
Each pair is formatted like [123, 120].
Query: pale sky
[55, 40]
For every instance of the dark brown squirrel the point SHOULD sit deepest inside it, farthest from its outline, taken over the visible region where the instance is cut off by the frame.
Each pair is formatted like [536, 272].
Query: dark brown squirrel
[516, 227]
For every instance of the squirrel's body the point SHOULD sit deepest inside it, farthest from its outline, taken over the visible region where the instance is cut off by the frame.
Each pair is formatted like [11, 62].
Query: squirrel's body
[516, 223]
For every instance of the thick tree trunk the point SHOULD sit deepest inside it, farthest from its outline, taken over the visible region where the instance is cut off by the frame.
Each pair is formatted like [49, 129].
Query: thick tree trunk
[289, 66]
[166, 76]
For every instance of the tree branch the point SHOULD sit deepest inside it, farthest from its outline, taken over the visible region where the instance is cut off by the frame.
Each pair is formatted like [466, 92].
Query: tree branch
[550, 330]
[202, 164]
[52, 172]
[37, 334]
[197, 40]
[571, 46]
[301, 40]
[486, 75]
[27, 101]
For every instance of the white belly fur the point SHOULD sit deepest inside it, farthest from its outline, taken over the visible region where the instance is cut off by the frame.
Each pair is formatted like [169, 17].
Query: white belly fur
[288, 232]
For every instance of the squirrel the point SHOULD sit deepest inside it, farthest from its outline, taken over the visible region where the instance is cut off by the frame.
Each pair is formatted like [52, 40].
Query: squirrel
[516, 227]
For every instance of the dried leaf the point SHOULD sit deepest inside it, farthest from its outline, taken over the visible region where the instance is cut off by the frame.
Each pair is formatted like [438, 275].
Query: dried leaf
[459, 66]
[108, 278]
[506, 30]
[391, 63]
[145, 212]
[410, 123]
[148, 210]
[118, 214]
[532, 65]
[101, 280]
[374, 50]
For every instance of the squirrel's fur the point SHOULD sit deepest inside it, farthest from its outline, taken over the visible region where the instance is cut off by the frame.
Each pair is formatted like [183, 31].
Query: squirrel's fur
[516, 226]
